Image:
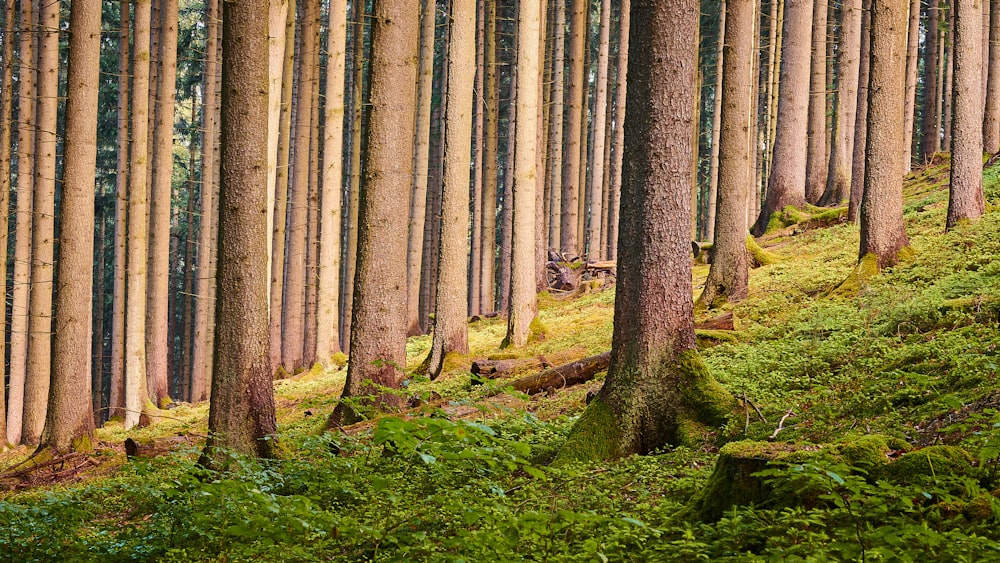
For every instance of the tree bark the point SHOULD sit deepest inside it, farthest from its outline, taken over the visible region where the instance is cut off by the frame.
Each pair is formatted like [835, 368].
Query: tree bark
[618, 143]
[838, 185]
[575, 112]
[312, 216]
[965, 201]
[241, 414]
[277, 37]
[451, 306]
[786, 185]
[6, 124]
[656, 381]
[930, 134]
[357, 95]
[573, 373]
[816, 161]
[861, 117]
[912, 44]
[69, 423]
[43, 229]
[991, 126]
[476, 239]
[882, 231]
[378, 335]
[729, 273]
[595, 248]
[555, 148]
[491, 140]
[22, 233]
[713, 171]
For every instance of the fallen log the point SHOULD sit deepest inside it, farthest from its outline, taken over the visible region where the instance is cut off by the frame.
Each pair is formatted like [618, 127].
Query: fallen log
[496, 369]
[156, 447]
[573, 373]
[724, 321]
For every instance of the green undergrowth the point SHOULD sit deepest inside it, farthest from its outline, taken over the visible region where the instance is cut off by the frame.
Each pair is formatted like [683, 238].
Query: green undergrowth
[908, 354]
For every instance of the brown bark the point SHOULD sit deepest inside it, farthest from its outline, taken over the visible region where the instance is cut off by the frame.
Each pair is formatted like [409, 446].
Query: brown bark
[378, 335]
[6, 124]
[555, 148]
[930, 134]
[786, 185]
[816, 161]
[22, 233]
[949, 77]
[451, 306]
[573, 373]
[358, 16]
[43, 229]
[241, 414]
[729, 273]
[476, 237]
[912, 43]
[69, 423]
[575, 110]
[965, 201]
[713, 171]
[277, 36]
[497, 369]
[861, 117]
[653, 371]
[595, 248]
[491, 139]
[882, 231]
[618, 143]
[838, 185]
[991, 126]
[312, 219]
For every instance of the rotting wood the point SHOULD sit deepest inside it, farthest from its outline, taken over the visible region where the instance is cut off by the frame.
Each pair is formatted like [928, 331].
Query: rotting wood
[496, 369]
[565, 375]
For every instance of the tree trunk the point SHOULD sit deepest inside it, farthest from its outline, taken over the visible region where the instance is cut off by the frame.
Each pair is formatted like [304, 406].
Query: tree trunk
[378, 336]
[965, 201]
[912, 44]
[575, 112]
[656, 380]
[930, 134]
[415, 241]
[861, 117]
[618, 144]
[595, 248]
[312, 217]
[43, 230]
[882, 231]
[358, 15]
[774, 80]
[327, 319]
[70, 421]
[476, 239]
[838, 185]
[507, 207]
[6, 124]
[991, 126]
[555, 148]
[816, 162]
[728, 275]
[786, 186]
[200, 359]
[451, 306]
[541, 112]
[949, 76]
[573, 373]
[491, 140]
[523, 302]
[277, 36]
[159, 208]
[713, 171]
[241, 414]
[97, 326]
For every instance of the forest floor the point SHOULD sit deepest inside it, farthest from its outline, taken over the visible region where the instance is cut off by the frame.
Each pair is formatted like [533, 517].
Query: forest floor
[904, 363]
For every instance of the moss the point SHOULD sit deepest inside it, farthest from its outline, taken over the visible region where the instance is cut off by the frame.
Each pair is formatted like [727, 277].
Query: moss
[732, 482]
[758, 255]
[596, 436]
[930, 464]
[867, 452]
[536, 331]
[691, 433]
[709, 402]
[84, 443]
[338, 360]
[165, 402]
[455, 361]
[866, 269]
[707, 336]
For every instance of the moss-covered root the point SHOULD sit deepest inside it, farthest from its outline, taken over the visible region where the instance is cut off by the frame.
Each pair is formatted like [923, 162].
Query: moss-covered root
[866, 269]
[596, 436]
[732, 482]
[758, 256]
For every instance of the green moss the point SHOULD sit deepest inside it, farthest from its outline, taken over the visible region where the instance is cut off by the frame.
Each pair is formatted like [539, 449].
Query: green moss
[867, 452]
[708, 401]
[536, 331]
[338, 360]
[866, 269]
[596, 436]
[732, 482]
[708, 336]
[759, 256]
[691, 433]
[930, 464]
[84, 443]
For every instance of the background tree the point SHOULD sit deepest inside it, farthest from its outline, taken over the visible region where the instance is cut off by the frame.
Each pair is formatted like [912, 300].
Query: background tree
[838, 184]
[965, 200]
[816, 160]
[6, 124]
[575, 112]
[991, 60]
[656, 380]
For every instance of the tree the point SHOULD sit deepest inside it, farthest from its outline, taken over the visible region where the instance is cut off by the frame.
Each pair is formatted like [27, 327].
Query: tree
[36, 388]
[278, 11]
[555, 148]
[930, 134]
[135, 308]
[713, 171]
[965, 201]
[70, 420]
[786, 186]
[6, 124]
[378, 328]
[861, 117]
[838, 184]
[618, 142]
[487, 290]
[656, 382]
[816, 161]
[575, 110]
[882, 233]
[728, 275]
[523, 302]
[991, 125]
[595, 250]
[241, 414]
[327, 319]
[912, 43]
[450, 328]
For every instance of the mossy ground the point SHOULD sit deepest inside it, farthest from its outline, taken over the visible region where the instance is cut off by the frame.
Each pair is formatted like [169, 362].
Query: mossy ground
[911, 355]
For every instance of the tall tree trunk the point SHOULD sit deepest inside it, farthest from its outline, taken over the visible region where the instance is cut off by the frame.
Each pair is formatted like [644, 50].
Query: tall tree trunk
[241, 415]
[882, 231]
[930, 134]
[541, 112]
[991, 127]
[187, 284]
[507, 209]
[523, 303]
[43, 230]
[6, 124]
[786, 186]
[912, 44]
[555, 148]
[158, 320]
[729, 273]
[450, 327]
[965, 201]
[476, 238]
[713, 171]
[277, 254]
[312, 217]
[861, 117]
[293, 333]
[201, 360]
[358, 15]
[595, 249]
[69, 423]
[575, 111]
[816, 161]
[327, 318]
[415, 241]
[277, 37]
[647, 398]
[838, 185]
[378, 334]
[618, 144]
[22, 233]
[774, 81]
[491, 140]
[949, 77]
[97, 326]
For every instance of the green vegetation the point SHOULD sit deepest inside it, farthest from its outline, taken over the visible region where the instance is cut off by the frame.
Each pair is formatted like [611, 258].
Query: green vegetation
[882, 404]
